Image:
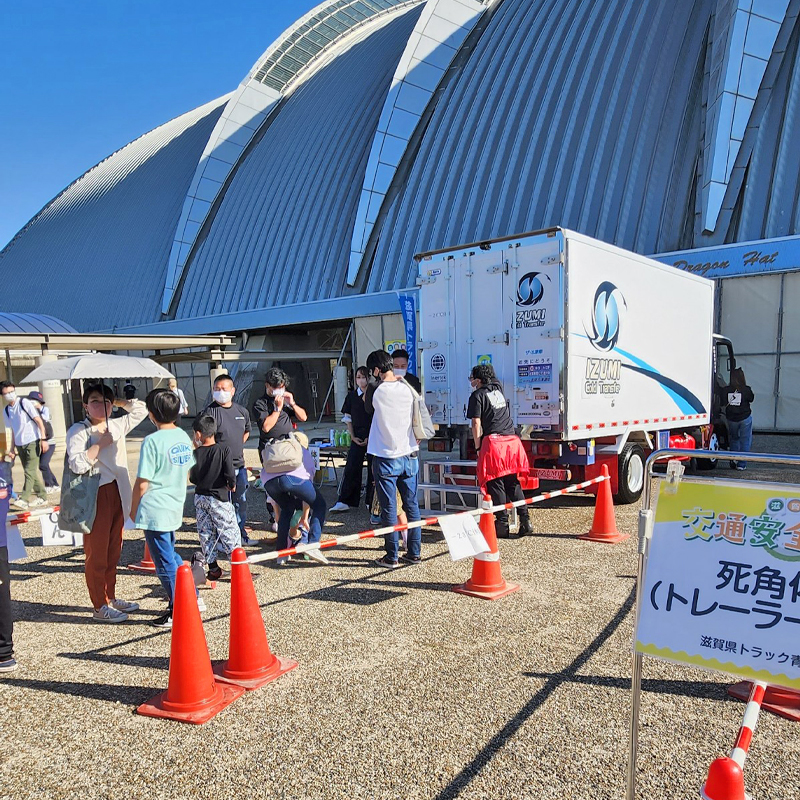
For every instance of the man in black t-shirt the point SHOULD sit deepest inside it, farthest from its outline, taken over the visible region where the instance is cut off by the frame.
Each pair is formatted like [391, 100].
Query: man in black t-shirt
[233, 430]
[501, 457]
[276, 409]
[400, 369]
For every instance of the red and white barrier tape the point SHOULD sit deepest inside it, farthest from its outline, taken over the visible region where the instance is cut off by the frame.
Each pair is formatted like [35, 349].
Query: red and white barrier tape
[353, 537]
[21, 517]
[751, 712]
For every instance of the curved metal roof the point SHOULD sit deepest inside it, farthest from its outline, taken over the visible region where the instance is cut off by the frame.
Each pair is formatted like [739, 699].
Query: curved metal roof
[312, 34]
[33, 323]
[282, 231]
[99, 250]
[581, 118]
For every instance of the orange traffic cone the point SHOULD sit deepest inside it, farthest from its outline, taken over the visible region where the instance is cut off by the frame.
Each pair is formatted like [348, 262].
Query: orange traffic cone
[192, 693]
[604, 526]
[725, 781]
[250, 661]
[487, 580]
[146, 564]
[784, 702]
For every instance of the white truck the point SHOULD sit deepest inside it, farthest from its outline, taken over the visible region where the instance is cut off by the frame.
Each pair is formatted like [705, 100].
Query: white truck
[604, 355]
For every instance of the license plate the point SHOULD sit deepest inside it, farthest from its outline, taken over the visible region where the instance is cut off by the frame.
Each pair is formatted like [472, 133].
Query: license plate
[552, 474]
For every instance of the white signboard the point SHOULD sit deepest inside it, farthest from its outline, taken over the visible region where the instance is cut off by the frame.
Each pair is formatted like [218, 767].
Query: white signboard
[722, 581]
[463, 536]
[16, 547]
[53, 536]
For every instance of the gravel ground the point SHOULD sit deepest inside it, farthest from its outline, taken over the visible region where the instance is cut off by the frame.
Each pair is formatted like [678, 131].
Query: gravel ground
[404, 689]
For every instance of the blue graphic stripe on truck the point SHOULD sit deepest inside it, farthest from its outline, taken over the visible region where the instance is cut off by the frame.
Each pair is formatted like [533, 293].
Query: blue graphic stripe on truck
[686, 401]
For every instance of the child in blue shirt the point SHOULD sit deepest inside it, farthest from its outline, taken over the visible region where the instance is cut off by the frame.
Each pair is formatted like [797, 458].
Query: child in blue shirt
[160, 490]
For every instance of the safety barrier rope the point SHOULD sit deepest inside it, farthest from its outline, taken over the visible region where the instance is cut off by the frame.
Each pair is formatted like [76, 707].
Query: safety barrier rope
[354, 537]
[21, 517]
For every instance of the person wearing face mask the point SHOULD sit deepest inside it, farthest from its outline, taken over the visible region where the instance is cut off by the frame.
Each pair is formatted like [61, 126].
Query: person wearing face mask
[358, 422]
[501, 457]
[28, 440]
[98, 442]
[400, 364]
[233, 430]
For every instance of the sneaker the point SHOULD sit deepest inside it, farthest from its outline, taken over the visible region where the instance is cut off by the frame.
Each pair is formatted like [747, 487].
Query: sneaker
[283, 561]
[214, 573]
[9, 665]
[201, 604]
[246, 540]
[126, 606]
[741, 466]
[316, 555]
[340, 506]
[108, 614]
[37, 501]
[386, 562]
[53, 489]
[20, 504]
[164, 621]
[374, 519]
[407, 559]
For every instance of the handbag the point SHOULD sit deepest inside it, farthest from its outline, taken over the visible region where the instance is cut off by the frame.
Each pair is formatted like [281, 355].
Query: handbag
[78, 507]
[282, 455]
[421, 420]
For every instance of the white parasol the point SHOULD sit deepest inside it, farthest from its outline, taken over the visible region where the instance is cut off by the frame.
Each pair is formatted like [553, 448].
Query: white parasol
[97, 365]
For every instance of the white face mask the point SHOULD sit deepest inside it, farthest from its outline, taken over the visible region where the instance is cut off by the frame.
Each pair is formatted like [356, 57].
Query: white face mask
[399, 372]
[279, 392]
[221, 396]
[10, 397]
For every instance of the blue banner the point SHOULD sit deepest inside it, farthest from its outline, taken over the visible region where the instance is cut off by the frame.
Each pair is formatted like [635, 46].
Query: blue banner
[408, 308]
[745, 258]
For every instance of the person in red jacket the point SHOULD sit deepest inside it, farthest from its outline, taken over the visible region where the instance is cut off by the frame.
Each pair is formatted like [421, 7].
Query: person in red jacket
[501, 457]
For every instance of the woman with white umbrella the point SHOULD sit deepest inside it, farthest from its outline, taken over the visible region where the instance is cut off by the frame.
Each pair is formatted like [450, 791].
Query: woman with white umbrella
[99, 442]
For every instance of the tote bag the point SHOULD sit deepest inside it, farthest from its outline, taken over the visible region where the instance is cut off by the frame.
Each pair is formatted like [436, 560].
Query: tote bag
[78, 506]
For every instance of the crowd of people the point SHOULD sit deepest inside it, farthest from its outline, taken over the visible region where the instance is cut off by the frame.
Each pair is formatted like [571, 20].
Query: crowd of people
[379, 413]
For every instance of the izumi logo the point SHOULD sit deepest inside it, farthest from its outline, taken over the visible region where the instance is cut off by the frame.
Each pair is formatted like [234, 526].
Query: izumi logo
[603, 369]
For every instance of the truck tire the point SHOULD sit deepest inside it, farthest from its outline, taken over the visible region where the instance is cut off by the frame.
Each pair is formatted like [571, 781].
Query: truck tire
[630, 471]
[710, 463]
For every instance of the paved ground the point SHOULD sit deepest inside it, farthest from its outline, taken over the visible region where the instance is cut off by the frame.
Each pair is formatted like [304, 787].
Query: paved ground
[404, 688]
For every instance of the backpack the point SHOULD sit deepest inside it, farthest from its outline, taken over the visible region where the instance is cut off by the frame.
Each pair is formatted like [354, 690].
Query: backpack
[48, 428]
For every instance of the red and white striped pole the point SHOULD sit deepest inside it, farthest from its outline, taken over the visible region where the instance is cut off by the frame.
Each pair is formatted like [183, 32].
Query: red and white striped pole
[352, 537]
[726, 775]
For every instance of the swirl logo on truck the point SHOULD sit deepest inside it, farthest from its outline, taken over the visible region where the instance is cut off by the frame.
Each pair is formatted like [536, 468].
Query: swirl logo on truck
[606, 316]
[529, 290]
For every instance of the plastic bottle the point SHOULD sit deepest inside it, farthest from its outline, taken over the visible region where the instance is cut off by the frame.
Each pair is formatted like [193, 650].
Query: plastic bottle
[333, 436]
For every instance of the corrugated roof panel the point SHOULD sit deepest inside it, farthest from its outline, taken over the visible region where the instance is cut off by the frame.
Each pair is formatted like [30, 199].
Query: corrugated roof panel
[112, 226]
[33, 323]
[572, 118]
[281, 233]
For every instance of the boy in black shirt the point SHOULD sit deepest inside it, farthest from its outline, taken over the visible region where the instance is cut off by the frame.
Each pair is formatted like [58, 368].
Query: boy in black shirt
[214, 478]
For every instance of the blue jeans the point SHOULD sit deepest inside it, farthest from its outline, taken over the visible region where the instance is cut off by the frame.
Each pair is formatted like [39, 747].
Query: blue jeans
[162, 550]
[741, 436]
[239, 499]
[290, 493]
[394, 475]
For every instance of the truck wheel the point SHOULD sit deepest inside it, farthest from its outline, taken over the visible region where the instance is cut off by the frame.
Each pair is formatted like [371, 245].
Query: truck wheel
[630, 465]
[710, 463]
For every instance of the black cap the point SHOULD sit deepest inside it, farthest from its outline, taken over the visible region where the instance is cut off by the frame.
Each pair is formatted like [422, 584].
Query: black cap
[37, 396]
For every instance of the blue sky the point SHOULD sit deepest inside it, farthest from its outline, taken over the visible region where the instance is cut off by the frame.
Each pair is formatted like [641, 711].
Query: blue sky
[82, 78]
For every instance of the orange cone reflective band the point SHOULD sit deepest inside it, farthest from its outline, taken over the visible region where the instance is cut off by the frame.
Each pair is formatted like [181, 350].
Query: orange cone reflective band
[784, 702]
[192, 693]
[604, 525]
[725, 781]
[250, 661]
[146, 564]
[487, 580]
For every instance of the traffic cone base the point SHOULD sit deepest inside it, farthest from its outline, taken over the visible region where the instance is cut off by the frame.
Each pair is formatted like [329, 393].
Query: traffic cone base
[470, 589]
[783, 702]
[159, 706]
[487, 580]
[146, 564]
[725, 781]
[269, 673]
[604, 525]
[250, 662]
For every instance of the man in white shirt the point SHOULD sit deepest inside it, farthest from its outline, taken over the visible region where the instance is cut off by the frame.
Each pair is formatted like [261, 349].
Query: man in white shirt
[28, 440]
[395, 452]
